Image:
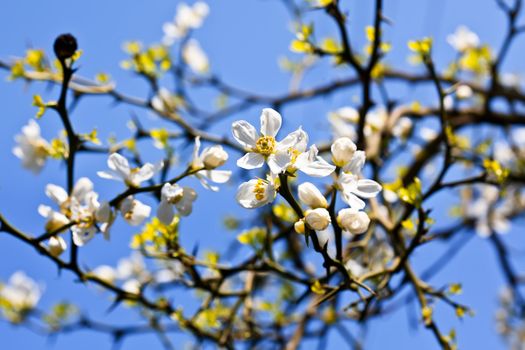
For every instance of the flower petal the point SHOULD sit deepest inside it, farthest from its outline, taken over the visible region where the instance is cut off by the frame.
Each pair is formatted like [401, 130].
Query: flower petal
[110, 175]
[244, 133]
[82, 187]
[270, 122]
[217, 176]
[353, 201]
[56, 193]
[165, 212]
[279, 162]
[119, 164]
[297, 140]
[367, 188]
[251, 160]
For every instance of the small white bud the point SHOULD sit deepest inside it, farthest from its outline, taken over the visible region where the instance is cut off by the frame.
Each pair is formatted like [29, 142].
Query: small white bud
[57, 246]
[311, 196]
[353, 221]
[318, 219]
[402, 128]
[299, 226]
[343, 150]
[463, 92]
[213, 157]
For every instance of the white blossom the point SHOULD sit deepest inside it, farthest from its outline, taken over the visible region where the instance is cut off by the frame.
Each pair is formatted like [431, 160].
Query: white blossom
[256, 193]
[464, 92]
[105, 272]
[165, 102]
[343, 150]
[186, 18]
[176, 196]
[56, 245]
[31, 148]
[120, 170]
[311, 196]
[131, 286]
[489, 216]
[317, 219]
[195, 57]
[263, 147]
[352, 187]
[402, 127]
[210, 158]
[463, 39]
[341, 121]
[20, 293]
[353, 220]
[134, 211]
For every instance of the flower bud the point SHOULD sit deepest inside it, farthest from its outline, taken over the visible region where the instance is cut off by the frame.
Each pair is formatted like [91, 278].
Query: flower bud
[56, 246]
[353, 221]
[402, 128]
[299, 226]
[463, 92]
[55, 222]
[317, 219]
[342, 151]
[65, 46]
[311, 196]
[213, 157]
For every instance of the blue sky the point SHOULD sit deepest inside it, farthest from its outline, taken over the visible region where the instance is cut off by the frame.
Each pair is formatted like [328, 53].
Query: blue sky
[244, 39]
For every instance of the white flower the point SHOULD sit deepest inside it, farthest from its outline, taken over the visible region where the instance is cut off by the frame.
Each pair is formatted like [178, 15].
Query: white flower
[355, 268]
[105, 273]
[464, 92]
[164, 102]
[352, 187]
[132, 267]
[91, 217]
[56, 246]
[311, 196]
[186, 18]
[134, 211]
[487, 214]
[264, 147]
[21, 292]
[82, 207]
[31, 148]
[345, 120]
[210, 158]
[428, 134]
[58, 219]
[131, 286]
[353, 220]
[256, 193]
[402, 128]
[121, 171]
[317, 219]
[195, 57]
[340, 121]
[174, 195]
[343, 150]
[463, 39]
[55, 220]
[310, 163]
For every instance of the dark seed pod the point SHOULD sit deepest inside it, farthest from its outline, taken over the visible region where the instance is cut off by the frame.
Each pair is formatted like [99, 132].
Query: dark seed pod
[65, 46]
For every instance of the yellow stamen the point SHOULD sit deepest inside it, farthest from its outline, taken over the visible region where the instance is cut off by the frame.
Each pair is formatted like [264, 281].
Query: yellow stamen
[265, 145]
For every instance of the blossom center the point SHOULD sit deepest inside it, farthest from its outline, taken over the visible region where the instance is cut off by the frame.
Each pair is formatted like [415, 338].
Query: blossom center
[265, 145]
[260, 190]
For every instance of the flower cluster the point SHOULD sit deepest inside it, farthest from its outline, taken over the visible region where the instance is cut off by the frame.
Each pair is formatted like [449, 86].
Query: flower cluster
[81, 210]
[19, 296]
[291, 154]
[186, 19]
